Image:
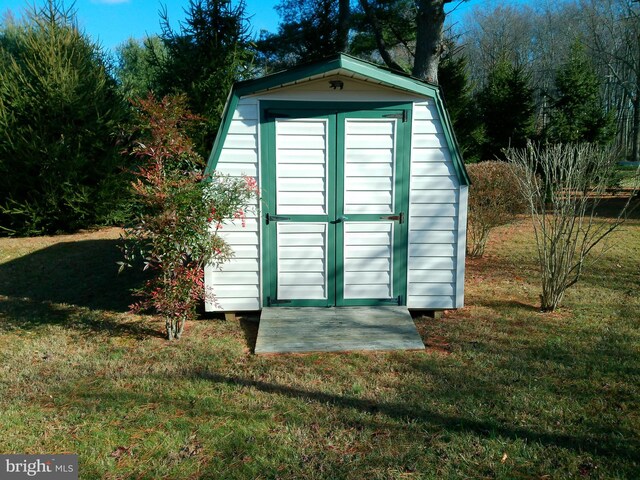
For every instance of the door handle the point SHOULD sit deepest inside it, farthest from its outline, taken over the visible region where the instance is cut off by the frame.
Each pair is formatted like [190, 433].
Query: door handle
[340, 219]
[276, 218]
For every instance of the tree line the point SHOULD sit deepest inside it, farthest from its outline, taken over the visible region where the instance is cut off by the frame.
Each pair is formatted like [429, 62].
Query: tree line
[555, 72]
[558, 73]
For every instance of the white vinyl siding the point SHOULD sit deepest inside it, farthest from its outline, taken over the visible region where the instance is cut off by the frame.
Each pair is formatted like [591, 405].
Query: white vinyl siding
[369, 150]
[436, 217]
[433, 215]
[301, 166]
[368, 260]
[302, 264]
[462, 244]
[236, 284]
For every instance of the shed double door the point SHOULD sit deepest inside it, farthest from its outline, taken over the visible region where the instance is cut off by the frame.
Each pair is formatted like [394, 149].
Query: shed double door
[335, 206]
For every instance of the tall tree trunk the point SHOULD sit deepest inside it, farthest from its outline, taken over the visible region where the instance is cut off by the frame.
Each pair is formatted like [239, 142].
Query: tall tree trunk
[344, 18]
[429, 39]
[635, 146]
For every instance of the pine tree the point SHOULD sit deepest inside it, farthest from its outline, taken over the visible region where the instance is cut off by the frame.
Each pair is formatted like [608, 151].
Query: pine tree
[454, 83]
[60, 114]
[506, 109]
[577, 112]
[309, 30]
[203, 60]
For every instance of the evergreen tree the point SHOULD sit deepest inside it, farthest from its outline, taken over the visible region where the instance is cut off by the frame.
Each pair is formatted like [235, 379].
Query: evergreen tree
[386, 29]
[203, 60]
[506, 109]
[577, 112]
[309, 30]
[60, 114]
[135, 72]
[405, 35]
[454, 83]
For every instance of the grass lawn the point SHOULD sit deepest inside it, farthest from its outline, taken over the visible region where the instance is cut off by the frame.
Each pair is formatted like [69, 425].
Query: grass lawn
[501, 391]
[628, 177]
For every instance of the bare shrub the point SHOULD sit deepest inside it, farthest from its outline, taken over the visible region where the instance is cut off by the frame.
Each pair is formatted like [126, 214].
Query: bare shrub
[563, 185]
[494, 200]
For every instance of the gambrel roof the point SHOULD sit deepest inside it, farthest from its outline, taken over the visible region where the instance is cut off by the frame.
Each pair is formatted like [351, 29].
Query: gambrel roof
[346, 66]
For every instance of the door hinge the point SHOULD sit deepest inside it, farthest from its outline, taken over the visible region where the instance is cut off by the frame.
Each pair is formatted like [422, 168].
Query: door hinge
[396, 218]
[400, 116]
[275, 218]
[272, 302]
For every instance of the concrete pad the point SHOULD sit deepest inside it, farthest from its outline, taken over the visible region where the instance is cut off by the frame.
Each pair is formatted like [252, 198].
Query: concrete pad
[336, 329]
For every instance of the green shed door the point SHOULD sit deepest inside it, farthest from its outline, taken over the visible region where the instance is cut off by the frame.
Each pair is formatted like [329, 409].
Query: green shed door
[335, 207]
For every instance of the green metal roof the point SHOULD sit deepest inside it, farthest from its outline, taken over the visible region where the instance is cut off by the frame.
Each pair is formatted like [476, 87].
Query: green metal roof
[342, 64]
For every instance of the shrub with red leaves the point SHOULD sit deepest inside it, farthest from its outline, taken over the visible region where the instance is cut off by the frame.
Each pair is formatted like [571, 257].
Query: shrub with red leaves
[180, 213]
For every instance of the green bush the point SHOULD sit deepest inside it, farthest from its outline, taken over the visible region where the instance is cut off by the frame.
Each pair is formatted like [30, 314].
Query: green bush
[494, 200]
[60, 115]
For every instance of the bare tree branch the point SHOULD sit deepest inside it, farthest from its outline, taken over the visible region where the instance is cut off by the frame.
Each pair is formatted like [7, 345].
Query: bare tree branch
[377, 33]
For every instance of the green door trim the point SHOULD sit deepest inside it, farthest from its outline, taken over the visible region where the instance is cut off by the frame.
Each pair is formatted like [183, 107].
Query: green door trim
[269, 235]
[336, 114]
[401, 204]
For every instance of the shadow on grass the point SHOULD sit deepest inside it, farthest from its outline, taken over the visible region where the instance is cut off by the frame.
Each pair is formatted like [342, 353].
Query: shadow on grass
[611, 207]
[75, 284]
[248, 321]
[595, 444]
[249, 324]
[81, 273]
[28, 314]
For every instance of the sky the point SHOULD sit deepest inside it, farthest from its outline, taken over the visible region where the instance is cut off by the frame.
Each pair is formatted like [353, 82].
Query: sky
[112, 22]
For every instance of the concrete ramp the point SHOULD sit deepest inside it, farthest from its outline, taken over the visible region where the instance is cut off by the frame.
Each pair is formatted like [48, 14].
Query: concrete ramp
[336, 329]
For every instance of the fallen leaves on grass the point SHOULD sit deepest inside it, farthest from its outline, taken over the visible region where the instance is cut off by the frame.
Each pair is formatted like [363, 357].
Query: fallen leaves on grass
[121, 451]
[192, 448]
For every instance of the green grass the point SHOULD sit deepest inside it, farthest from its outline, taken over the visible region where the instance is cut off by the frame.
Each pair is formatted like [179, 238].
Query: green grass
[627, 177]
[501, 391]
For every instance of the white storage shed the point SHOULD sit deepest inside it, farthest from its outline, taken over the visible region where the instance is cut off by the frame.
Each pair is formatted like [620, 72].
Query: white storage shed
[363, 191]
